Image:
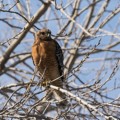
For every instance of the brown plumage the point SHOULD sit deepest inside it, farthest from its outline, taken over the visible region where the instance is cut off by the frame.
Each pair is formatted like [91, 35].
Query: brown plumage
[48, 59]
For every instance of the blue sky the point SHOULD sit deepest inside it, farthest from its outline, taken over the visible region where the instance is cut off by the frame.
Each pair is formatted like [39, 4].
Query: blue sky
[88, 70]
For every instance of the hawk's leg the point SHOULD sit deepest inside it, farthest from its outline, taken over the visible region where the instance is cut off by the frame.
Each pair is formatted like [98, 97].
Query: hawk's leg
[45, 83]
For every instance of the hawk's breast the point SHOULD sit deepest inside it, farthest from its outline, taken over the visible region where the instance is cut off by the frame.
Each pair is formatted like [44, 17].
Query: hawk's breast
[48, 59]
[47, 54]
[47, 50]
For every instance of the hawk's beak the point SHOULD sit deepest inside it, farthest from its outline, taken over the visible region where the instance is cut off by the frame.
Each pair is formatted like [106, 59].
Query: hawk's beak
[48, 34]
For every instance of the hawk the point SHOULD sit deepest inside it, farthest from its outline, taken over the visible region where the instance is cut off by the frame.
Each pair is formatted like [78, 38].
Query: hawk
[48, 58]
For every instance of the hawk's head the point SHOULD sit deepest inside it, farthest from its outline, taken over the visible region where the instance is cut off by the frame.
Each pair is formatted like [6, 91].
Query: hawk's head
[44, 34]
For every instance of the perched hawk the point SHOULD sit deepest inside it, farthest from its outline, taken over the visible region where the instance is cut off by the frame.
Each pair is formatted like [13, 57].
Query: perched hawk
[48, 59]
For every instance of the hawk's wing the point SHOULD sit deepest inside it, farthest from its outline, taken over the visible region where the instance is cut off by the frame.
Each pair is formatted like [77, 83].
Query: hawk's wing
[59, 57]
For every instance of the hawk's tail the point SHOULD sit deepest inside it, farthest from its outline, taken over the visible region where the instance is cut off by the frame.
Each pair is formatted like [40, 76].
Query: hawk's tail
[57, 95]
[60, 97]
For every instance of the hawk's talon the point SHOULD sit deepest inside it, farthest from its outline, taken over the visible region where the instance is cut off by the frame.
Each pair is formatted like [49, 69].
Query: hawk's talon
[45, 83]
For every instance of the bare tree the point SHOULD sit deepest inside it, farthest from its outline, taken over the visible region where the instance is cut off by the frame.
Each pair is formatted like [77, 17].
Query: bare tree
[88, 32]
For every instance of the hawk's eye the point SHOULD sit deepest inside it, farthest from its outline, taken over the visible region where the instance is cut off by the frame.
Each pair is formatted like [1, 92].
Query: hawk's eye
[43, 33]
